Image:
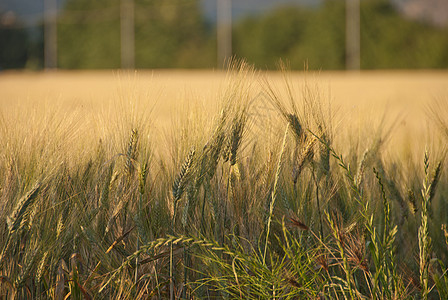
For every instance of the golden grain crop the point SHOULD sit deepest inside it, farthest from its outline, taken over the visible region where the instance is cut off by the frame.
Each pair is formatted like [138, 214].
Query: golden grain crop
[88, 105]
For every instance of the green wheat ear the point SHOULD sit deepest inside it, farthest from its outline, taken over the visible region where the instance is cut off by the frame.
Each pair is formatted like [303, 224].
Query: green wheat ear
[238, 127]
[181, 180]
[131, 153]
[16, 217]
[142, 174]
[294, 122]
[435, 181]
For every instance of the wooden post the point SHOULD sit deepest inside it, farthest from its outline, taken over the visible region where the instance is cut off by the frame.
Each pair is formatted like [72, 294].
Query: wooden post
[127, 34]
[224, 34]
[352, 39]
[50, 35]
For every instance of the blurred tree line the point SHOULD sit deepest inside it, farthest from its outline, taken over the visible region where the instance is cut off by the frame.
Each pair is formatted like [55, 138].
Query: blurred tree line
[17, 48]
[168, 34]
[15, 54]
[316, 36]
[175, 34]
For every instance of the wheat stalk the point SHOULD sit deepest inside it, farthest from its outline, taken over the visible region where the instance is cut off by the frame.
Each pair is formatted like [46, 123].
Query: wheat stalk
[424, 241]
[274, 192]
[179, 185]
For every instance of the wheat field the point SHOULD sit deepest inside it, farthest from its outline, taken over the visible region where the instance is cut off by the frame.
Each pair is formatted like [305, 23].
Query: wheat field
[403, 96]
[173, 184]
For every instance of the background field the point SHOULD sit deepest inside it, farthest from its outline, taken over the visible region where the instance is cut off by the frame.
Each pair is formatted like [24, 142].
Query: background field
[359, 100]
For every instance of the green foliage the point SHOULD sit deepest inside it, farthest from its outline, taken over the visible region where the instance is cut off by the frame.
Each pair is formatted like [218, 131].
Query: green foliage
[175, 34]
[384, 34]
[167, 34]
[315, 37]
[170, 34]
[15, 46]
[264, 41]
[303, 36]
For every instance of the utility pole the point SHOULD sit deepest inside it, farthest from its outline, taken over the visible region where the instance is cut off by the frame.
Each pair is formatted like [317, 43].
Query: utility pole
[127, 34]
[352, 32]
[224, 34]
[50, 35]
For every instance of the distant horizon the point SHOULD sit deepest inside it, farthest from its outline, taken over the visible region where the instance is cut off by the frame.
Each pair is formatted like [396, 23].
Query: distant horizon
[31, 11]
